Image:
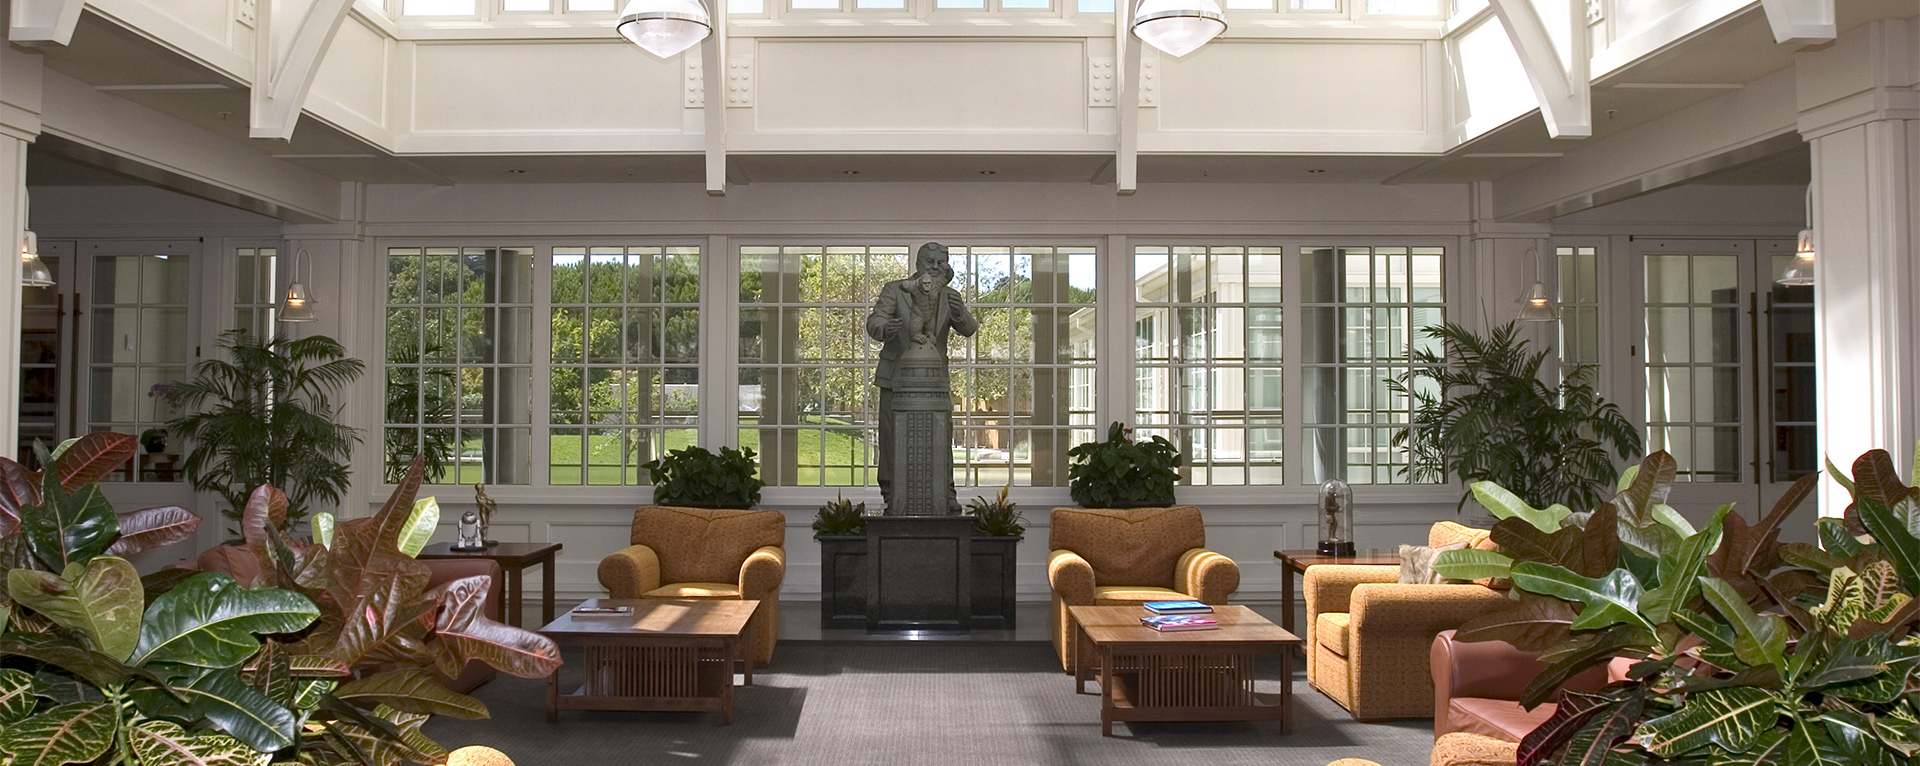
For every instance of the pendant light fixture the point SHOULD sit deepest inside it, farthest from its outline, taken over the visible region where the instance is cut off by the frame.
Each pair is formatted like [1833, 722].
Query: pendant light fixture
[665, 27]
[1178, 27]
[1800, 272]
[1536, 306]
[33, 271]
[297, 306]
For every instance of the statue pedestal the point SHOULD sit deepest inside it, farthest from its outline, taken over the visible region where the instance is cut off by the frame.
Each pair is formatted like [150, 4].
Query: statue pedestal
[845, 582]
[920, 572]
[922, 459]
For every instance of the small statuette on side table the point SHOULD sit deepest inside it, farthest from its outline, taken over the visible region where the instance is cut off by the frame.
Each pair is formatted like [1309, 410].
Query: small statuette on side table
[487, 507]
[1336, 519]
[469, 533]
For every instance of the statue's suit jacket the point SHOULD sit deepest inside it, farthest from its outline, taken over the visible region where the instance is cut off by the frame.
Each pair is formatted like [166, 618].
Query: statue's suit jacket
[896, 300]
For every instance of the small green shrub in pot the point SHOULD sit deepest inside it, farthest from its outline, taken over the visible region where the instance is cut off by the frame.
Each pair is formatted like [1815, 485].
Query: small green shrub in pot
[840, 517]
[696, 478]
[1122, 473]
[998, 517]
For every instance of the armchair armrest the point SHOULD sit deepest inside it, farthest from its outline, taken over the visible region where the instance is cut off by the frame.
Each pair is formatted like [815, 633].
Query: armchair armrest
[1484, 669]
[1206, 576]
[1071, 577]
[761, 573]
[1329, 587]
[630, 571]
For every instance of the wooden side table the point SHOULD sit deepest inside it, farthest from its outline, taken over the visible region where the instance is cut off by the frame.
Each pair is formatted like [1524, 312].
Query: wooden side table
[513, 558]
[1296, 563]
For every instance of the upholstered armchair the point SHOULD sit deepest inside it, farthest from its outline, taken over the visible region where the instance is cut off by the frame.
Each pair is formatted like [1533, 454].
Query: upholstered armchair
[703, 553]
[1117, 557]
[1369, 637]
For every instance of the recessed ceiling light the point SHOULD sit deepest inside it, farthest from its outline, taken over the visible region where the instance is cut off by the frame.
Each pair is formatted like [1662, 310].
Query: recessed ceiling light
[1317, 170]
[516, 172]
[988, 172]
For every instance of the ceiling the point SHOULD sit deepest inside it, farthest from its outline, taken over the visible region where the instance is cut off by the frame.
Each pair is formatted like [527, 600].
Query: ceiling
[129, 65]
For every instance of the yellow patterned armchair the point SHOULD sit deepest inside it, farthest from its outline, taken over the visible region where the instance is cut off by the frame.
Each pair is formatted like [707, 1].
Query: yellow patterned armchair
[1369, 638]
[702, 553]
[1116, 557]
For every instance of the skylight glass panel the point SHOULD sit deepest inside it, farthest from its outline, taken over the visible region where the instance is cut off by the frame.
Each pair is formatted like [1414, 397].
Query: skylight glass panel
[1249, 5]
[1316, 5]
[815, 5]
[1026, 5]
[1096, 6]
[1404, 7]
[961, 4]
[516, 6]
[883, 5]
[589, 5]
[437, 8]
[743, 7]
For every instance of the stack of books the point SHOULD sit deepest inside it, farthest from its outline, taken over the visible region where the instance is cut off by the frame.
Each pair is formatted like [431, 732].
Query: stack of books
[1178, 607]
[1171, 622]
[602, 611]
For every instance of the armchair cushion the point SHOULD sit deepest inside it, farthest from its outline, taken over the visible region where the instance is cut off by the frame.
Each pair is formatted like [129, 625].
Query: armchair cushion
[703, 545]
[1129, 546]
[694, 590]
[1127, 596]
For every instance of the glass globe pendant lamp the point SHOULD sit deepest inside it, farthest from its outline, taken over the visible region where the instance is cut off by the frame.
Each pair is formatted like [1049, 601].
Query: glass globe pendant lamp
[33, 271]
[1800, 272]
[1178, 27]
[665, 27]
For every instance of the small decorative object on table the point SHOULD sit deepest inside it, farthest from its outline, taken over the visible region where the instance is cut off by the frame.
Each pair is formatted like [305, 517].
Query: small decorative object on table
[469, 534]
[1171, 622]
[154, 440]
[1336, 518]
[487, 507]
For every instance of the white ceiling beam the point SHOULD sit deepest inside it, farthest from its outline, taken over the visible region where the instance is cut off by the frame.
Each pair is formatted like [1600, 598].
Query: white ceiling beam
[1800, 22]
[1565, 93]
[43, 21]
[1126, 151]
[281, 83]
[713, 62]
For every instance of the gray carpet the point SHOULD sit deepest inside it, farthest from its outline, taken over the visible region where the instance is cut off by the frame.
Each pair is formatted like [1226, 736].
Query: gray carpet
[847, 704]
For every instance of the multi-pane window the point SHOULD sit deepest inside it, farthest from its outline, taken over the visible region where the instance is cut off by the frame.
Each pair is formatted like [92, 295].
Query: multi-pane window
[624, 381]
[1792, 382]
[1022, 386]
[142, 338]
[1361, 315]
[1579, 301]
[459, 361]
[1207, 358]
[255, 290]
[1694, 363]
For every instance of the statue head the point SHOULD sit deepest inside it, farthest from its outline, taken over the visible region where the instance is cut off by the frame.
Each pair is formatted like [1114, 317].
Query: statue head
[933, 258]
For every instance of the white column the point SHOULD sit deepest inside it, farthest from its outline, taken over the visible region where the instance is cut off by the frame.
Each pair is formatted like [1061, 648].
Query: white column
[19, 124]
[1860, 111]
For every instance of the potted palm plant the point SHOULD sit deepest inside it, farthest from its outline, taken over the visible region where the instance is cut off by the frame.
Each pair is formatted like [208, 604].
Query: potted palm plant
[265, 415]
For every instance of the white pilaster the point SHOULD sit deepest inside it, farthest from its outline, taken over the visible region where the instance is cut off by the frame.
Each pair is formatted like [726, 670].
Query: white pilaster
[1860, 110]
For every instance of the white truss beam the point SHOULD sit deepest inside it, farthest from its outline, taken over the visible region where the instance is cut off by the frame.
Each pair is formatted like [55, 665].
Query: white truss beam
[1565, 92]
[281, 82]
[1800, 22]
[49, 22]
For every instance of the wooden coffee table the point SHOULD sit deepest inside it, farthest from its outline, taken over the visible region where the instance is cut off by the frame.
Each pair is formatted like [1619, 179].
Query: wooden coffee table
[671, 655]
[1194, 675]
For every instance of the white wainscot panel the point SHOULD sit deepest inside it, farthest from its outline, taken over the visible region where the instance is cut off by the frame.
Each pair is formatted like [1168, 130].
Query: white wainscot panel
[548, 87]
[961, 86]
[353, 76]
[1297, 87]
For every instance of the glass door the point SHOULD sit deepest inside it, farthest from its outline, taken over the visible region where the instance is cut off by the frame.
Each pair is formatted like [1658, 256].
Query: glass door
[136, 334]
[1728, 369]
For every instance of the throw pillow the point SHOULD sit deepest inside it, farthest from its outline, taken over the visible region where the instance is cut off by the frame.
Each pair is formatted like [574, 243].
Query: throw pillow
[1416, 563]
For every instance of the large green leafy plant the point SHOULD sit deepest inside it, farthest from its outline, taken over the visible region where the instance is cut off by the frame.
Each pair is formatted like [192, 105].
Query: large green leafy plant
[1736, 648]
[1483, 413]
[95, 670]
[696, 478]
[267, 417]
[380, 621]
[1122, 473]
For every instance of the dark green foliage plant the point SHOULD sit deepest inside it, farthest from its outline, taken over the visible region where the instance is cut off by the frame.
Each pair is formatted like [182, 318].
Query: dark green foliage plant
[840, 517]
[696, 478]
[998, 517]
[1483, 413]
[1122, 473]
[418, 395]
[1740, 649]
[266, 416]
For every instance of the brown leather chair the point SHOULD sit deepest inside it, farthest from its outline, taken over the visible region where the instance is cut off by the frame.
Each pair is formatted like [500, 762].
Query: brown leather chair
[706, 553]
[1477, 686]
[1122, 557]
[245, 567]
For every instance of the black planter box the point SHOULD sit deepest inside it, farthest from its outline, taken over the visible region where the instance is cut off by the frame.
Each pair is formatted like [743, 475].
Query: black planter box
[844, 586]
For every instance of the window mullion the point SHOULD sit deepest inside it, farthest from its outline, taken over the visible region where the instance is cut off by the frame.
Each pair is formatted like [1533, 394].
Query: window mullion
[542, 373]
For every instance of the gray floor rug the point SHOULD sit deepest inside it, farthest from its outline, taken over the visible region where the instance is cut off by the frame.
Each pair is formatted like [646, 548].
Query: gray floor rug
[847, 704]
